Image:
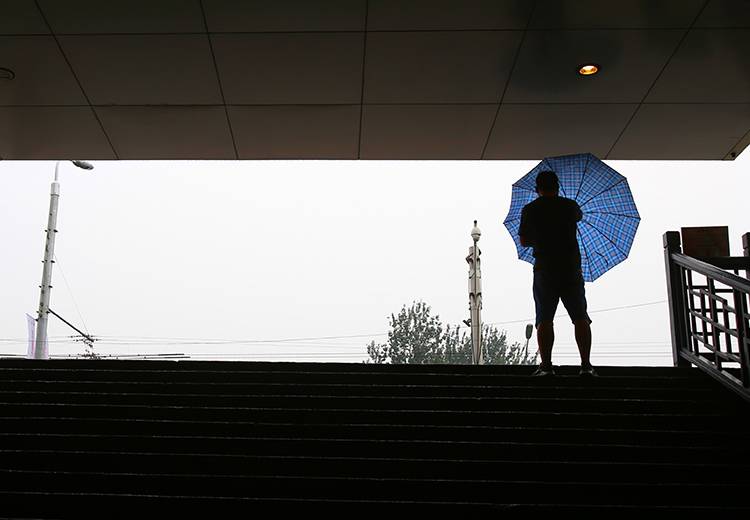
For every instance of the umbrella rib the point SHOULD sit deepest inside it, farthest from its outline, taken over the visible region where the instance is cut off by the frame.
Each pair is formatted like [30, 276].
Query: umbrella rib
[608, 239]
[583, 176]
[638, 218]
[585, 251]
[603, 191]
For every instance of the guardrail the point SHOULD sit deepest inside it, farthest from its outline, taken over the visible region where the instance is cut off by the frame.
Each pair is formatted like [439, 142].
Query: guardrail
[708, 312]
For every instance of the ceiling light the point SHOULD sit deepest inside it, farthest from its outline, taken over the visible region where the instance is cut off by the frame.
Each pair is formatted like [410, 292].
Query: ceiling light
[7, 74]
[588, 69]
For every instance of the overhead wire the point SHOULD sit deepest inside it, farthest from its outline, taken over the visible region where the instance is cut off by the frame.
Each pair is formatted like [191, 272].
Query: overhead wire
[75, 304]
[314, 341]
[161, 340]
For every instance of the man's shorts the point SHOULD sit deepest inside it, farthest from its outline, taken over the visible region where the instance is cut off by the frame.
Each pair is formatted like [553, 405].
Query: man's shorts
[551, 287]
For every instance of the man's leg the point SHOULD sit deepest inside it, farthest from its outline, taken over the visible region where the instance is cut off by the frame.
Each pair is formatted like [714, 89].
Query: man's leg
[545, 337]
[574, 299]
[545, 300]
[583, 339]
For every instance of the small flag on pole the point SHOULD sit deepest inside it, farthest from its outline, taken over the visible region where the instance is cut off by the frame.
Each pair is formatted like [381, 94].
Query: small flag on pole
[31, 322]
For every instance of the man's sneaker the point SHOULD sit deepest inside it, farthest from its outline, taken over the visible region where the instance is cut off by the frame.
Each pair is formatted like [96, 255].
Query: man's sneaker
[587, 371]
[543, 371]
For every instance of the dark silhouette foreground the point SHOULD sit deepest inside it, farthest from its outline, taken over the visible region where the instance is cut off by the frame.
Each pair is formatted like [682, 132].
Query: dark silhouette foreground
[549, 224]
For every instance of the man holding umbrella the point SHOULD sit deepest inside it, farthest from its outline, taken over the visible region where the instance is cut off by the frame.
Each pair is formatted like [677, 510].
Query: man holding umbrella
[549, 225]
[570, 239]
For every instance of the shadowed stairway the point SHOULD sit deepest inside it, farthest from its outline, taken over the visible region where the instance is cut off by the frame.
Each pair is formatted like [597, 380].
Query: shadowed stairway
[111, 438]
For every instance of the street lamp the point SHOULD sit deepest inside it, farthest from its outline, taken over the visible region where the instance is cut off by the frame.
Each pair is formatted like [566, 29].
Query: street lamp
[475, 297]
[40, 350]
[529, 332]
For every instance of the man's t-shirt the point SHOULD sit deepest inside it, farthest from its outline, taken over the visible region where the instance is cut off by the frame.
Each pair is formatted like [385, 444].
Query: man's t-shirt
[549, 224]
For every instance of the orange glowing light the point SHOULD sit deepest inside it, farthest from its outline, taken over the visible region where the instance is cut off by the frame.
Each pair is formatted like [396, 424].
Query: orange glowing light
[588, 69]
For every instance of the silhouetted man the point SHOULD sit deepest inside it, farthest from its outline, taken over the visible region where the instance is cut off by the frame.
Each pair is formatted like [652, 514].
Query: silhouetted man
[549, 225]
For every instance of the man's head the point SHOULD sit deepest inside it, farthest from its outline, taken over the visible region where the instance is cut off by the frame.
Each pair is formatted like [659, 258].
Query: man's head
[547, 183]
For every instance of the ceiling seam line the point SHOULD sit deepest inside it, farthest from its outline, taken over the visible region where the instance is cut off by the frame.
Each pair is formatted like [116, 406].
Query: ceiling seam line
[78, 81]
[507, 81]
[384, 31]
[362, 86]
[218, 80]
[736, 145]
[213, 105]
[658, 76]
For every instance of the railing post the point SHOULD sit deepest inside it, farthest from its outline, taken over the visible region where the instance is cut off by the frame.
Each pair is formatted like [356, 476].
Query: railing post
[742, 336]
[746, 250]
[676, 293]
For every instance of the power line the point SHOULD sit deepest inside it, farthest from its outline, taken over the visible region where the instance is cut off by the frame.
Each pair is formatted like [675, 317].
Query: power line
[225, 341]
[161, 340]
[65, 279]
[590, 312]
[198, 341]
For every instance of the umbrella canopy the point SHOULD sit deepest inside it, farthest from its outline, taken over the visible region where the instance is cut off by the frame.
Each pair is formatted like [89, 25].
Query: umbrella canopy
[610, 218]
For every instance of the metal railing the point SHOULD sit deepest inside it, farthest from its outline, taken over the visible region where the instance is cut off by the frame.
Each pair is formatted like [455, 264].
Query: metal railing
[708, 310]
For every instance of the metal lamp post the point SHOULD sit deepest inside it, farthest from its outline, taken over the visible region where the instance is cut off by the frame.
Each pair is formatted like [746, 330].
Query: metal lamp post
[529, 332]
[40, 350]
[475, 298]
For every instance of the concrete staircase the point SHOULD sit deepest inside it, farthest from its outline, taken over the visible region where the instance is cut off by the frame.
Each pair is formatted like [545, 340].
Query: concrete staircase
[109, 439]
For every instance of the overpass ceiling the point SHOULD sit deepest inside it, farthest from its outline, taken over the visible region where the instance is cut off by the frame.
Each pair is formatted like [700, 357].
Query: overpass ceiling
[373, 79]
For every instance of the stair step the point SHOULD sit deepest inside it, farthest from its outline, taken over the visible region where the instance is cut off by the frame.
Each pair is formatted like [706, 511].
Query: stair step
[577, 389]
[353, 374]
[332, 488]
[437, 465]
[90, 505]
[234, 367]
[605, 419]
[465, 450]
[560, 403]
[719, 434]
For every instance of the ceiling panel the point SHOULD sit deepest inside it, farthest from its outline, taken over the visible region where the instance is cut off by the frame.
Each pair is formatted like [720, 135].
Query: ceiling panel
[438, 67]
[296, 132]
[524, 131]
[285, 15]
[447, 14]
[21, 17]
[683, 131]
[292, 76]
[51, 133]
[168, 132]
[323, 68]
[725, 13]
[711, 65]
[42, 77]
[425, 131]
[144, 69]
[630, 60]
[606, 14]
[123, 16]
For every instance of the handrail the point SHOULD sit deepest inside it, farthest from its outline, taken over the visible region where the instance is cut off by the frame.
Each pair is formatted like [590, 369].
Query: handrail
[709, 331]
[706, 269]
[738, 263]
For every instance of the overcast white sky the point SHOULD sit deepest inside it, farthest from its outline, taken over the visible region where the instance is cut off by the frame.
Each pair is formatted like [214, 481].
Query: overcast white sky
[227, 258]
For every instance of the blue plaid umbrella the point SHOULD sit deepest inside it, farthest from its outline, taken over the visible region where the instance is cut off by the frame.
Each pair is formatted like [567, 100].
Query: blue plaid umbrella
[610, 218]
